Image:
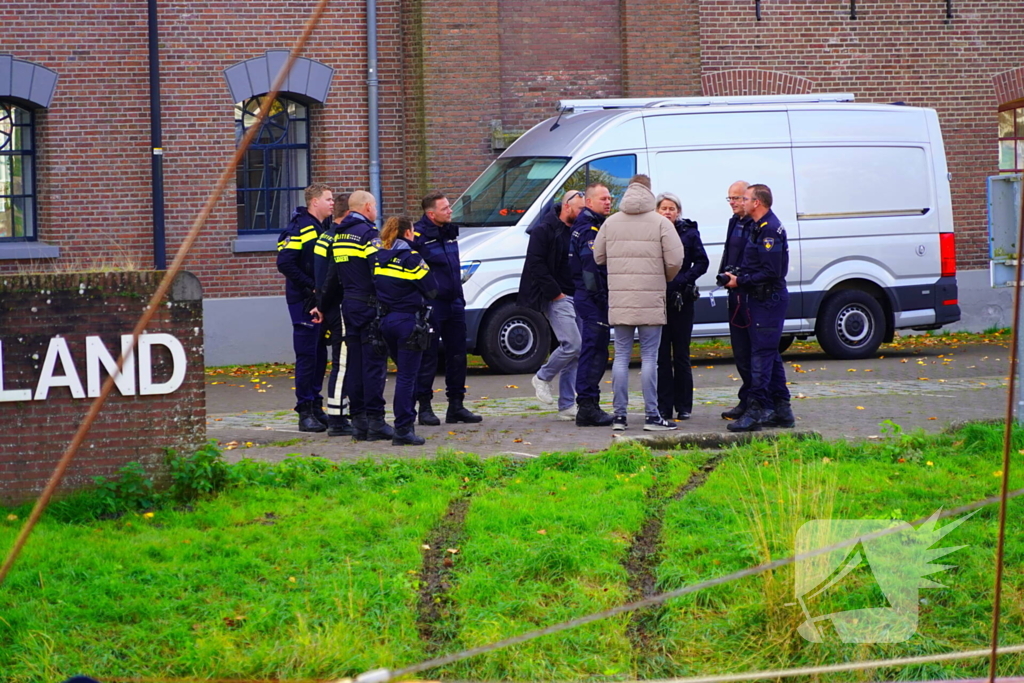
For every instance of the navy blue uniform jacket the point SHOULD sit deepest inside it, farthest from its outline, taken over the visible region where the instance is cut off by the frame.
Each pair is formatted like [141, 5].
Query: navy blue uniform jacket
[695, 259]
[295, 255]
[766, 256]
[735, 238]
[354, 242]
[402, 278]
[587, 275]
[439, 247]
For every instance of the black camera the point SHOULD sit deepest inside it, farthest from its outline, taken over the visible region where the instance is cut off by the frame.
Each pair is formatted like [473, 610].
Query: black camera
[722, 279]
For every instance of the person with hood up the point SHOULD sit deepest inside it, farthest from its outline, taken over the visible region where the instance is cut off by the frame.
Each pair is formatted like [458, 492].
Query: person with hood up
[642, 252]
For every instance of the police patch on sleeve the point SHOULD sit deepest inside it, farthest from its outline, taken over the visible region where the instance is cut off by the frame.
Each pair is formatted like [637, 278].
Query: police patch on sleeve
[591, 245]
[768, 243]
[377, 243]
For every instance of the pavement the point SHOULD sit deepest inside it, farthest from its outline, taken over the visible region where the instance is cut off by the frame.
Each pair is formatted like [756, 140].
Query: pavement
[926, 382]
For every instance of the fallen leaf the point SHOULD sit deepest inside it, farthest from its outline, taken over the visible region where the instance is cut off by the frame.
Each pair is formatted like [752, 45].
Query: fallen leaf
[933, 418]
[826, 460]
[148, 515]
[542, 532]
[517, 440]
[453, 551]
[997, 473]
[904, 360]
[901, 460]
[851, 370]
[923, 379]
[451, 433]
[511, 386]
[292, 579]
[425, 546]
[860, 407]
[930, 463]
[12, 518]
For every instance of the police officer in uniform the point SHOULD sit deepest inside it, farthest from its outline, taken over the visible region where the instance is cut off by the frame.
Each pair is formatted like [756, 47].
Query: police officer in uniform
[591, 300]
[736, 237]
[329, 295]
[295, 261]
[402, 280]
[762, 285]
[436, 239]
[355, 241]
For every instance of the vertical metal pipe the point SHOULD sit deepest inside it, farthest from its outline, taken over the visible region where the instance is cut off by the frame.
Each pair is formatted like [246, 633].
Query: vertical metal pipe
[156, 142]
[371, 105]
[949, 11]
[853, 9]
[757, 9]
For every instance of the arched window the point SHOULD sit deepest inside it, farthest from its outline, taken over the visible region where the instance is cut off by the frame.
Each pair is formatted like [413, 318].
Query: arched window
[17, 173]
[275, 169]
[1011, 137]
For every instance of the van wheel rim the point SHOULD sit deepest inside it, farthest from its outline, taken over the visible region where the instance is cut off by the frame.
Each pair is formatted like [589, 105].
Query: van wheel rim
[516, 338]
[854, 325]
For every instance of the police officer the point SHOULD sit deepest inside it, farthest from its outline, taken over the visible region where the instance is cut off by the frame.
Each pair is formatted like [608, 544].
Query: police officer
[736, 237]
[762, 285]
[675, 376]
[591, 301]
[355, 241]
[295, 261]
[402, 280]
[329, 295]
[436, 239]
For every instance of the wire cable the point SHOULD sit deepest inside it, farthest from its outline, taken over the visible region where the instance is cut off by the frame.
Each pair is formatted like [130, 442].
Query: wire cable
[165, 284]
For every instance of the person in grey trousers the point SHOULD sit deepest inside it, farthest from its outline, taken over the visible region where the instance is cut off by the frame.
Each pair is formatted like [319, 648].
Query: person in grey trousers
[546, 285]
[642, 252]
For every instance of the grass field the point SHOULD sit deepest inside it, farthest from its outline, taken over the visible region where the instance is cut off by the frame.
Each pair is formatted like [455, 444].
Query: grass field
[312, 569]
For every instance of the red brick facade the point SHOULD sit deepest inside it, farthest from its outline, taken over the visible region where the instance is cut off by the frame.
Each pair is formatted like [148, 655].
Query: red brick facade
[449, 72]
[35, 309]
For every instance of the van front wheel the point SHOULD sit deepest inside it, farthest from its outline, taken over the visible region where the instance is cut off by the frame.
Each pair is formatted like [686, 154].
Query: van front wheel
[850, 325]
[515, 340]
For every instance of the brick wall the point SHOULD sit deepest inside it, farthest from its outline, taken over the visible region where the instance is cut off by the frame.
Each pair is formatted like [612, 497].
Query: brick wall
[34, 309]
[895, 50]
[661, 48]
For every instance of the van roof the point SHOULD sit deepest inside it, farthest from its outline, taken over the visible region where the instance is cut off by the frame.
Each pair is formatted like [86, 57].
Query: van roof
[582, 123]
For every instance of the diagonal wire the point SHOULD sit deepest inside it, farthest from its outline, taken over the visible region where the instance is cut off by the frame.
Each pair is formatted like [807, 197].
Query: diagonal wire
[165, 284]
[997, 597]
[384, 675]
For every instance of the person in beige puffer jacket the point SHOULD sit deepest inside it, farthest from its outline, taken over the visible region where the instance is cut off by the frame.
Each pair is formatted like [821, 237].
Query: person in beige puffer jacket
[642, 252]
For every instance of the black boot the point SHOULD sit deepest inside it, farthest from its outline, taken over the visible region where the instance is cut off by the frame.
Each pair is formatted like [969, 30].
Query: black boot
[318, 411]
[735, 412]
[782, 416]
[407, 437]
[459, 413]
[378, 430]
[750, 421]
[338, 425]
[359, 427]
[307, 420]
[590, 414]
[426, 415]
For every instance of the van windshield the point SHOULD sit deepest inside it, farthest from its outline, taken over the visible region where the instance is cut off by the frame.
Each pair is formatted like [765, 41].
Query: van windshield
[505, 191]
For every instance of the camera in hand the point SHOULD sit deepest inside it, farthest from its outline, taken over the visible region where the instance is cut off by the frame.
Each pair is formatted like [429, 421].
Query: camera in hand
[722, 279]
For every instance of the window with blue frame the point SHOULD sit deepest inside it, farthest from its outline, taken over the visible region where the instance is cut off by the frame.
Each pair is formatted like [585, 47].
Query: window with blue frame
[275, 169]
[17, 173]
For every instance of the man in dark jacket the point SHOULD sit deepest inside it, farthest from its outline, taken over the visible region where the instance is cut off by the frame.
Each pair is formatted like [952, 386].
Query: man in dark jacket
[295, 261]
[546, 286]
[437, 241]
[736, 237]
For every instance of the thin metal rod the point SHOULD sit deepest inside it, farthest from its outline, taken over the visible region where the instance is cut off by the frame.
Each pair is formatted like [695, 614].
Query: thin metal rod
[853, 9]
[165, 284]
[1004, 486]
[156, 137]
[757, 9]
[373, 99]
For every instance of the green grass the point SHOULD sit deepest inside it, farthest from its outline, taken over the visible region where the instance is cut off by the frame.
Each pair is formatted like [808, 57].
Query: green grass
[312, 569]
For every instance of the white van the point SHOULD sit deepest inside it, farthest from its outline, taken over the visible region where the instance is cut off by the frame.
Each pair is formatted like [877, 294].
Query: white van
[862, 189]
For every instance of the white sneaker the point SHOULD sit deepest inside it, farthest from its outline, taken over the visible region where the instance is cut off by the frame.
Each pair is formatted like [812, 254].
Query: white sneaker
[657, 424]
[543, 390]
[569, 413]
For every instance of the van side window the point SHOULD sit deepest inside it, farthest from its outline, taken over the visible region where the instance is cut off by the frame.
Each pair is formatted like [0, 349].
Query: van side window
[613, 172]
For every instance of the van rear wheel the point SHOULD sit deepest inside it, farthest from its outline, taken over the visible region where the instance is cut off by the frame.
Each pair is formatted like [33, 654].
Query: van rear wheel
[515, 340]
[850, 325]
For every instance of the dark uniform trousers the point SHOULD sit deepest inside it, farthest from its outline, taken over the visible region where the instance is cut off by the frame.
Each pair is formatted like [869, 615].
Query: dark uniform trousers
[364, 378]
[675, 376]
[449, 322]
[767, 374]
[310, 355]
[739, 336]
[594, 348]
[396, 328]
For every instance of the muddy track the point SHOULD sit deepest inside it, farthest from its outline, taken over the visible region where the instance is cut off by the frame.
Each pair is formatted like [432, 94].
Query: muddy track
[644, 556]
[437, 620]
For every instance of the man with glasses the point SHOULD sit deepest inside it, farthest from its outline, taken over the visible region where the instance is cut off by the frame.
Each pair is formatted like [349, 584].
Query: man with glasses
[732, 259]
[762, 285]
[546, 285]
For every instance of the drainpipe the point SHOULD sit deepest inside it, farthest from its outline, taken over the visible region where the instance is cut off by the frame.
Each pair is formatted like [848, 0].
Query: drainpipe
[371, 105]
[157, 142]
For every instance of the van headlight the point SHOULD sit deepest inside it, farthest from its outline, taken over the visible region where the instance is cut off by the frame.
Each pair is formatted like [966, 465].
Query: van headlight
[468, 269]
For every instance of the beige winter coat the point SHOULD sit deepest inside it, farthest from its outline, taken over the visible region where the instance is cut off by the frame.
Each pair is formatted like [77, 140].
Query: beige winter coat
[643, 252]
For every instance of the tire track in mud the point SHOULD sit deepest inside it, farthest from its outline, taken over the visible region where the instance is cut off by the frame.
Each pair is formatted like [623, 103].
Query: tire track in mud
[436, 618]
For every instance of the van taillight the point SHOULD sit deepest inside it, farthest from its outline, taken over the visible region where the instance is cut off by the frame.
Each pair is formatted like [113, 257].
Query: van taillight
[947, 253]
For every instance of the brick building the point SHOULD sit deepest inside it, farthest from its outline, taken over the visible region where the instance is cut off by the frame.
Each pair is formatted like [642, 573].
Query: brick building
[455, 77]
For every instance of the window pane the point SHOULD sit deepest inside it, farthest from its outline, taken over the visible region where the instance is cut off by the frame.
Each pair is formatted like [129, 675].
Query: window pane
[1006, 123]
[6, 218]
[1020, 122]
[614, 173]
[1020, 156]
[1006, 155]
[6, 176]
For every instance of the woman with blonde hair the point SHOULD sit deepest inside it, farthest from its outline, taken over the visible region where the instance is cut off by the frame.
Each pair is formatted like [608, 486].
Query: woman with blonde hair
[403, 282]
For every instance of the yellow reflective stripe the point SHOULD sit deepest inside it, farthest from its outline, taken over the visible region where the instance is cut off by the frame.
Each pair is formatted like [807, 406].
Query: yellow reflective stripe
[290, 245]
[398, 272]
[594, 228]
[307, 229]
[320, 250]
[306, 236]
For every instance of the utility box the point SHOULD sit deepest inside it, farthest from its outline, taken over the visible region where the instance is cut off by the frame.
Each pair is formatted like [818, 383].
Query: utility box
[1004, 197]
